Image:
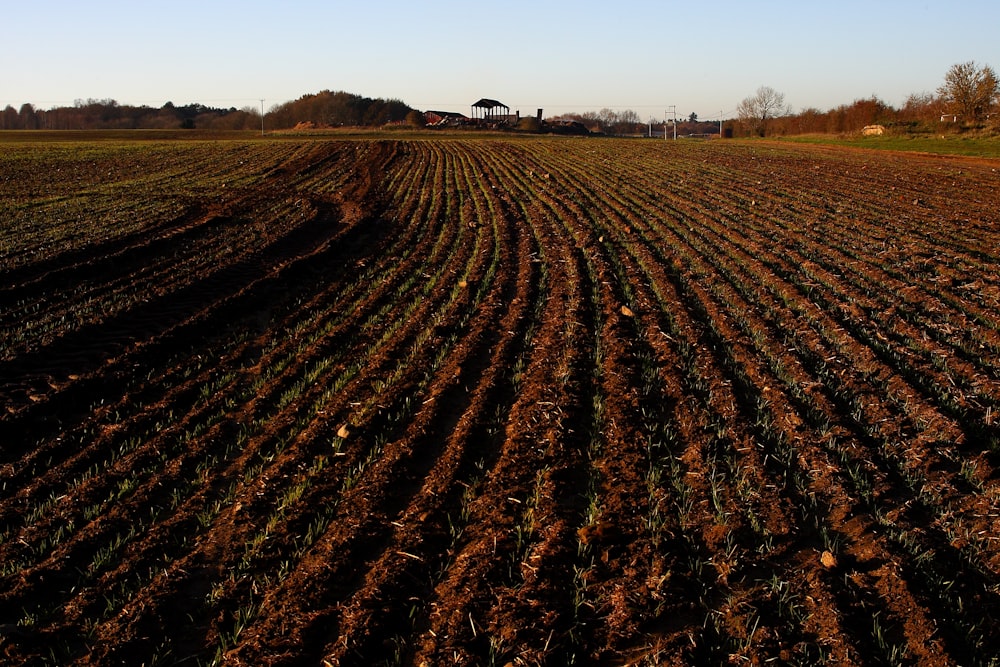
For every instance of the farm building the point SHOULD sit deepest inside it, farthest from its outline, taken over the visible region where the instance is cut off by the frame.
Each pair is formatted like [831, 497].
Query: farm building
[491, 111]
[445, 118]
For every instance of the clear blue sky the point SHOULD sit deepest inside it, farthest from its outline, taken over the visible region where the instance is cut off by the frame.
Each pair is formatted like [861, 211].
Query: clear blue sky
[445, 54]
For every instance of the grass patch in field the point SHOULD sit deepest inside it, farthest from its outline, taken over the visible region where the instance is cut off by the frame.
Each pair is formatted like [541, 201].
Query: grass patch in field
[973, 146]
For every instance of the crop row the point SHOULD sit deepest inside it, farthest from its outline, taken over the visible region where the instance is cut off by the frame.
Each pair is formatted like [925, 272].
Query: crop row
[380, 402]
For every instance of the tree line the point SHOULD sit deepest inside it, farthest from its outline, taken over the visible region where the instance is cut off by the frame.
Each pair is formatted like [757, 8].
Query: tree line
[338, 109]
[108, 114]
[324, 109]
[969, 97]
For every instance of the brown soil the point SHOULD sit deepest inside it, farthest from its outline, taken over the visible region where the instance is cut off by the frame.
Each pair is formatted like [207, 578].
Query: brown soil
[498, 402]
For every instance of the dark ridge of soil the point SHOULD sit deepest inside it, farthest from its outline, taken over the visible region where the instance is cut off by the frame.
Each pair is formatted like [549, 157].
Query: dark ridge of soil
[510, 402]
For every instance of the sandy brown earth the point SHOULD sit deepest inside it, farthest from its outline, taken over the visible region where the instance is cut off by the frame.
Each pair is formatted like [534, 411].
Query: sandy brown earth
[510, 402]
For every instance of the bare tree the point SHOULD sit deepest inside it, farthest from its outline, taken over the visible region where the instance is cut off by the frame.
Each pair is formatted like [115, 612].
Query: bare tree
[924, 107]
[970, 90]
[765, 104]
[618, 122]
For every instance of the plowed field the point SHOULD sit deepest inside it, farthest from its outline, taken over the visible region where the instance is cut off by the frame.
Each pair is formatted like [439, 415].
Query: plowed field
[511, 402]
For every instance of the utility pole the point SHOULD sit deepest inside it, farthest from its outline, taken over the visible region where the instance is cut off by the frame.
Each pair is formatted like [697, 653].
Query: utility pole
[720, 123]
[262, 117]
[673, 109]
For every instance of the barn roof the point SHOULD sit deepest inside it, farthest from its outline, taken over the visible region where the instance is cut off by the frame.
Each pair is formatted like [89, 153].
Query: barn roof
[447, 114]
[487, 103]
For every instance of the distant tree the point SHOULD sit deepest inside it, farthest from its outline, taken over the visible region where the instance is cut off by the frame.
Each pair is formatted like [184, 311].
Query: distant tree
[337, 108]
[9, 119]
[808, 121]
[380, 111]
[616, 122]
[27, 116]
[921, 107]
[693, 118]
[630, 122]
[853, 117]
[608, 119]
[755, 111]
[970, 90]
